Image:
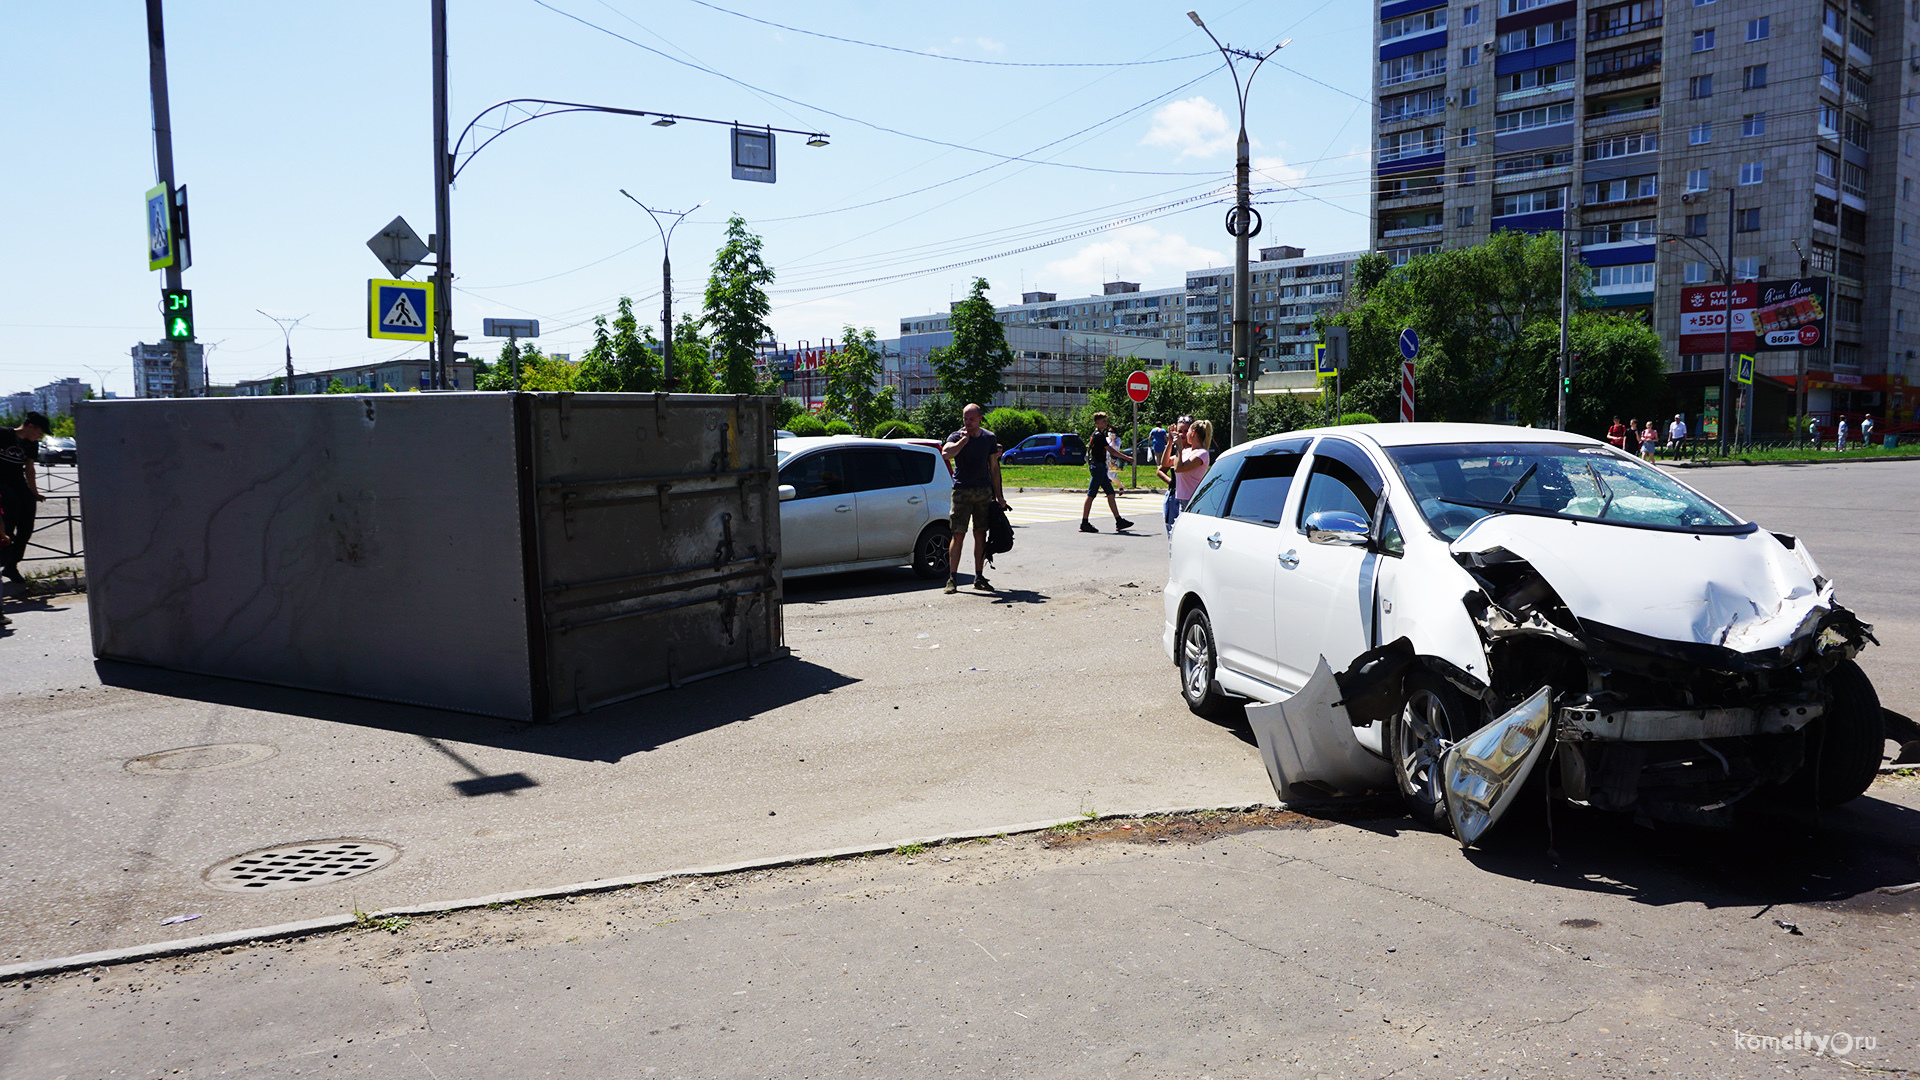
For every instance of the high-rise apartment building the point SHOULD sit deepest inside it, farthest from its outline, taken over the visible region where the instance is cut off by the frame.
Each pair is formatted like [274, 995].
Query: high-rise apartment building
[153, 369]
[1286, 292]
[1120, 309]
[1673, 138]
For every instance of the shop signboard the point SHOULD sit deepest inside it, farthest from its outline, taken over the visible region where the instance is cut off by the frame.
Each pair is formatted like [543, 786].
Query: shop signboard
[1767, 316]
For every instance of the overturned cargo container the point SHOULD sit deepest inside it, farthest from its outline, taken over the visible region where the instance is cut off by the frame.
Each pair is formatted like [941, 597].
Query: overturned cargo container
[528, 556]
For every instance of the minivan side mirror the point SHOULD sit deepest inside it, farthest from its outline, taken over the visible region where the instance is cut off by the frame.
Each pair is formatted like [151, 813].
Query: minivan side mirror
[787, 492]
[1338, 527]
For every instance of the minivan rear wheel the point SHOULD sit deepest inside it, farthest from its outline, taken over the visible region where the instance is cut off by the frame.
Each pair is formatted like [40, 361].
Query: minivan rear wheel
[1197, 659]
[1050, 460]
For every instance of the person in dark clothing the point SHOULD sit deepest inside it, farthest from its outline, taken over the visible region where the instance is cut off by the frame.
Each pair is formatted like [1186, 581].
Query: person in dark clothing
[1099, 448]
[19, 489]
[975, 455]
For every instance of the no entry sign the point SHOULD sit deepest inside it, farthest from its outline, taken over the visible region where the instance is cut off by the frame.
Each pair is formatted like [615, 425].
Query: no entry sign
[1138, 387]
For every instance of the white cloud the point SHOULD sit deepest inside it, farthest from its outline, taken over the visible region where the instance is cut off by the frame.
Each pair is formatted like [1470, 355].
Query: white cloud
[1195, 126]
[990, 45]
[1139, 253]
[1276, 170]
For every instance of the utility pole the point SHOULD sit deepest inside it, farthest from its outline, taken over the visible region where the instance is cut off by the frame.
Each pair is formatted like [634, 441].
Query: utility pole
[442, 210]
[1726, 339]
[666, 280]
[1243, 224]
[1566, 358]
[286, 331]
[163, 159]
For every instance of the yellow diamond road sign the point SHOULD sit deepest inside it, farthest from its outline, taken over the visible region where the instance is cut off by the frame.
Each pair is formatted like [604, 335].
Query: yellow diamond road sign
[400, 310]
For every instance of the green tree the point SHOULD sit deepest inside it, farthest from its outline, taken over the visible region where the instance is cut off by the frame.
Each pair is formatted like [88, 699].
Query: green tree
[1473, 308]
[737, 307]
[335, 386]
[853, 381]
[624, 357]
[62, 425]
[1622, 372]
[938, 415]
[970, 368]
[692, 366]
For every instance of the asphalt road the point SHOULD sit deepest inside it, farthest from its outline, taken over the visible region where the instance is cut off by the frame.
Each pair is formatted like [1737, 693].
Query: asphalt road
[1347, 945]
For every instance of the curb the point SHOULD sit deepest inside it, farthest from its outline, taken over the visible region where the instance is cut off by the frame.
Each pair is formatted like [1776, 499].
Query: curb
[280, 931]
[1809, 461]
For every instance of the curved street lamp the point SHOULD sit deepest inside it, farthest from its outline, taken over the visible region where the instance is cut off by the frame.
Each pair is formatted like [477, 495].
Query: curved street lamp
[666, 279]
[286, 331]
[1242, 224]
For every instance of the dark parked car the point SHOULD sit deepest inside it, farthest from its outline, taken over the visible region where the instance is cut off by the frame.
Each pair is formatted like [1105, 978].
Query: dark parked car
[57, 450]
[1047, 450]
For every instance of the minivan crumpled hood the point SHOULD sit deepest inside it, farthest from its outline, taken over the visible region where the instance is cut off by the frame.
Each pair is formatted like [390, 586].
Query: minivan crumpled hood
[1745, 592]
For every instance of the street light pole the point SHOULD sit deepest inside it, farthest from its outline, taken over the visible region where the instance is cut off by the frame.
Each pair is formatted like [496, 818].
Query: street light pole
[286, 331]
[666, 280]
[1726, 331]
[442, 212]
[1242, 224]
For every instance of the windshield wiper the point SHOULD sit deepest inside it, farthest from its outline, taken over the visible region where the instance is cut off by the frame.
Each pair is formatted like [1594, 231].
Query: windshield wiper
[1520, 483]
[1601, 486]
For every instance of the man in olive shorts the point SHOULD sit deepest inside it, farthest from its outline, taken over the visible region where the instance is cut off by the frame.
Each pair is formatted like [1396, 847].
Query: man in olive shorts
[975, 455]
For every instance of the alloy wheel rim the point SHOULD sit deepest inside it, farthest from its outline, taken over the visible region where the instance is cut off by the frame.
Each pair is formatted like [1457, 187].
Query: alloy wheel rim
[1422, 745]
[1195, 657]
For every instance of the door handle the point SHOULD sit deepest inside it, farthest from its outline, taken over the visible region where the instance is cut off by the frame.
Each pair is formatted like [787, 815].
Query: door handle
[1213, 541]
[913, 500]
[843, 508]
[1289, 558]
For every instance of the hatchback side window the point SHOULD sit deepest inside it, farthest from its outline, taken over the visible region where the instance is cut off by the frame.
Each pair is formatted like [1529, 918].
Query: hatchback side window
[817, 475]
[1211, 498]
[1260, 493]
[1343, 479]
[917, 466]
[875, 470]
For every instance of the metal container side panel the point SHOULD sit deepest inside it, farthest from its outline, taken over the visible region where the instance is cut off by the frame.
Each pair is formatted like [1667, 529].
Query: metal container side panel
[360, 544]
[657, 532]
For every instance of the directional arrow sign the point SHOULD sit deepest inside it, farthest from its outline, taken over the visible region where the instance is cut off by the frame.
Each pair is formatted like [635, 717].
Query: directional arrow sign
[1409, 343]
[400, 310]
[398, 247]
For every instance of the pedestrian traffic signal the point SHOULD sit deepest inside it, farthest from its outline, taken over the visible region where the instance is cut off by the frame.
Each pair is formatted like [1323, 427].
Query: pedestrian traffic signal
[1566, 384]
[1240, 368]
[176, 305]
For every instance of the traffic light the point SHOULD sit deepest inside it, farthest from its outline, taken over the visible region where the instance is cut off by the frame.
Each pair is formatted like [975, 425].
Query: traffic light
[1240, 368]
[1566, 385]
[176, 305]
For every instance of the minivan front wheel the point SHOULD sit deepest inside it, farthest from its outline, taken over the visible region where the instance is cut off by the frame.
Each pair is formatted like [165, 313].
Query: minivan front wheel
[1417, 740]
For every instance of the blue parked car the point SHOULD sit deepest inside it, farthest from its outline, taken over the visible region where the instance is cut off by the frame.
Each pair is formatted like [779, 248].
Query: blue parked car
[1047, 450]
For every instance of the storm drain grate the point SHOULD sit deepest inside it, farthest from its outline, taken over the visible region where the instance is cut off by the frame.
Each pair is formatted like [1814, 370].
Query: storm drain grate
[201, 758]
[293, 866]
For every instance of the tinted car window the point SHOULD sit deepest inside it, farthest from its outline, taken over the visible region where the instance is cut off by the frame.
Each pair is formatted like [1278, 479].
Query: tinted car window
[1261, 487]
[1072, 442]
[1035, 442]
[918, 467]
[873, 470]
[1343, 479]
[816, 475]
[1211, 499]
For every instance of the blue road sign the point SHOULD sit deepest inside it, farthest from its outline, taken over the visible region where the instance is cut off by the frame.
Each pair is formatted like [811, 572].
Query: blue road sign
[1409, 343]
[400, 310]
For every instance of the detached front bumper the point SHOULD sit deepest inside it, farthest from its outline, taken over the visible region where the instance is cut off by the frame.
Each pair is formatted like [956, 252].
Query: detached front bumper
[1589, 724]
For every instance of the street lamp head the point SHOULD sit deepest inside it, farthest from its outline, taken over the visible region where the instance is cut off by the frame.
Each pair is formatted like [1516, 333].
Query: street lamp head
[817, 140]
[665, 121]
[1195, 16]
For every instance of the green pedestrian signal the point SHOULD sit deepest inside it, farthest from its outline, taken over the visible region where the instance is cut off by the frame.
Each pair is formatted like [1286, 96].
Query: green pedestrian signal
[177, 306]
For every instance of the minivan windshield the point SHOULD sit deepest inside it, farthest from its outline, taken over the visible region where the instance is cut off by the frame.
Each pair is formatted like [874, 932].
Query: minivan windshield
[1457, 484]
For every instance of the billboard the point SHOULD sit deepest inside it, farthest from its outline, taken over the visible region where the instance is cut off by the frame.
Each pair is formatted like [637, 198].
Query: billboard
[1767, 316]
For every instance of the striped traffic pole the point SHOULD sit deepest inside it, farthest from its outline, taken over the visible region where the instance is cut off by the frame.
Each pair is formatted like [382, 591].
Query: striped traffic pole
[1406, 392]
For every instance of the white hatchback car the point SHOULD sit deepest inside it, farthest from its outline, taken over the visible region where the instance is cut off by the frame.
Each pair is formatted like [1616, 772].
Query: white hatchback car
[1435, 607]
[848, 503]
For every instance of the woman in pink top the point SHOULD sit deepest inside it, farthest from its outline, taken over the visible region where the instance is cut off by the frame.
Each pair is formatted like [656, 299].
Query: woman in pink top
[1189, 468]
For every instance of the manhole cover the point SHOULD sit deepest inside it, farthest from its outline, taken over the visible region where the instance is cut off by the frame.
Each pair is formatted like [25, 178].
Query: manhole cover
[201, 758]
[292, 866]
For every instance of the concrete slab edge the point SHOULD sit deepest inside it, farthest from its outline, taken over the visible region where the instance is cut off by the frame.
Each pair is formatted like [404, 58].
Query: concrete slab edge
[280, 931]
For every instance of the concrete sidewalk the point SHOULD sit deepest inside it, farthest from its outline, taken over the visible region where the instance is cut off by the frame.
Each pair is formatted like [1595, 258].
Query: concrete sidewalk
[904, 714]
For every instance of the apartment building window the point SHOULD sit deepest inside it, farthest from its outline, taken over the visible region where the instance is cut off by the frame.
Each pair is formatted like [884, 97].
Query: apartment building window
[1536, 161]
[1753, 124]
[1540, 78]
[1469, 56]
[1619, 277]
[1405, 144]
[1469, 96]
[1829, 120]
[1757, 28]
[1906, 145]
[1621, 63]
[1464, 217]
[1820, 257]
[1530, 202]
[1469, 136]
[1746, 268]
[1830, 72]
[1747, 220]
[1700, 86]
[1697, 273]
[1395, 29]
[1906, 189]
[1703, 40]
[1625, 189]
[1754, 77]
[1618, 232]
[1701, 3]
[1624, 19]
[1469, 175]
[1699, 179]
[1534, 36]
[1903, 232]
[1470, 15]
[1833, 20]
[1696, 224]
[1899, 320]
[1846, 309]
[1753, 172]
[1826, 166]
[1638, 142]
[1858, 132]
[1412, 106]
[1544, 116]
[1416, 66]
[1700, 134]
[1853, 179]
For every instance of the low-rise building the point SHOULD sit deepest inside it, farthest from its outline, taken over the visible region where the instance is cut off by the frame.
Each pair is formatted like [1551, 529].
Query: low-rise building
[389, 375]
[58, 398]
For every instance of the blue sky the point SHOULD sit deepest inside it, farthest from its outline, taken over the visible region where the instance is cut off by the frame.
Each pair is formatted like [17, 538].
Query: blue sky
[301, 129]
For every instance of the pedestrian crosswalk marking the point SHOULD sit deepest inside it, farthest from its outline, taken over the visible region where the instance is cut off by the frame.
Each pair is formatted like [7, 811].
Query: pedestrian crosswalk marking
[401, 314]
[1036, 509]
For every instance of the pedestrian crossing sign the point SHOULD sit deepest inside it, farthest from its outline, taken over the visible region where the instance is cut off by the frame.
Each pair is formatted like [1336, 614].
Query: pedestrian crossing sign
[1743, 373]
[400, 310]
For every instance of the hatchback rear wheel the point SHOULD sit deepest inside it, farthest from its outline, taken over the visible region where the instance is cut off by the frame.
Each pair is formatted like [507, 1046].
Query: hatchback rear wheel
[930, 551]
